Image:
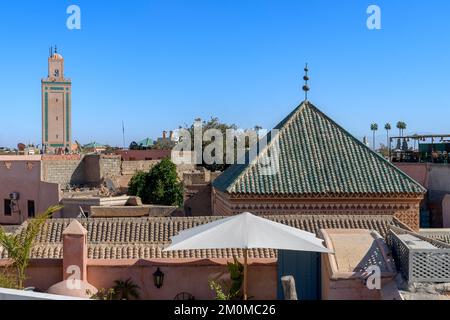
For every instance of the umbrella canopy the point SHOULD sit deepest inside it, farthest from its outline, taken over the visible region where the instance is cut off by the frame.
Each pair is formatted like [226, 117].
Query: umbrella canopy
[246, 231]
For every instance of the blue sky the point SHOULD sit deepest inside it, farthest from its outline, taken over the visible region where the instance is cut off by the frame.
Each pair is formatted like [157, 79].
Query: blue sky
[159, 64]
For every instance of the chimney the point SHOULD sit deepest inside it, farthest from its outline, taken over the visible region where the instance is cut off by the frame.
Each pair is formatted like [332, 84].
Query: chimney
[171, 135]
[75, 251]
[164, 134]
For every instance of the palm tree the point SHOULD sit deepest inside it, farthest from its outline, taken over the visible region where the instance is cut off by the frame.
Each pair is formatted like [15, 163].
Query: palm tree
[124, 290]
[387, 127]
[18, 245]
[401, 126]
[374, 127]
[257, 128]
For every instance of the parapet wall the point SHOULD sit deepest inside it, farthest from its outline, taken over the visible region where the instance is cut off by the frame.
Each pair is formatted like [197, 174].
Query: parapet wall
[92, 169]
[79, 170]
[63, 171]
[131, 167]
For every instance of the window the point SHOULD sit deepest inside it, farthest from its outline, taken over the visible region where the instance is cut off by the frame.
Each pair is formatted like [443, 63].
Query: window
[56, 118]
[30, 208]
[8, 210]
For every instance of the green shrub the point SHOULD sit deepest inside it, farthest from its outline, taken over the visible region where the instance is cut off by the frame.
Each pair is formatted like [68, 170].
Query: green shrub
[158, 186]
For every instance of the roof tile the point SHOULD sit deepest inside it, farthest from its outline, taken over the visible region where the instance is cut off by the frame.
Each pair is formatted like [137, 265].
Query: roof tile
[316, 156]
[146, 237]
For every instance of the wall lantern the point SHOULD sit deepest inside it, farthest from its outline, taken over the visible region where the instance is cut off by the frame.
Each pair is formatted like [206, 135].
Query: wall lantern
[158, 278]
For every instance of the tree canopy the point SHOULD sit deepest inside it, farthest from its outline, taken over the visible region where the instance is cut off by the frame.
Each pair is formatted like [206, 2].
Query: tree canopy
[158, 186]
[215, 123]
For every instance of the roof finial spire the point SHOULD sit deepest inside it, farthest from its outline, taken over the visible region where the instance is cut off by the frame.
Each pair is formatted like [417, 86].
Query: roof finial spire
[306, 78]
[56, 49]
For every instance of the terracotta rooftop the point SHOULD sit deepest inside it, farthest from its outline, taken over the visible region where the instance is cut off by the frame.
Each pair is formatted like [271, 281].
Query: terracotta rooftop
[144, 238]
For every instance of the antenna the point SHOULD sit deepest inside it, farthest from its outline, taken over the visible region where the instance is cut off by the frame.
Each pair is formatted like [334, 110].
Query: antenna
[123, 134]
[306, 78]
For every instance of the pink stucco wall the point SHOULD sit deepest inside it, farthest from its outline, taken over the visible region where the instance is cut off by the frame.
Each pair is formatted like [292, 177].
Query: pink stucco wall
[43, 273]
[417, 171]
[22, 174]
[179, 275]
[433, 176]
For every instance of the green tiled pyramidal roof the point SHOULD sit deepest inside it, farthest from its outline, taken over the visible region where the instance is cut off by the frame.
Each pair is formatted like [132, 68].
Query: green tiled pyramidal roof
[317, 157]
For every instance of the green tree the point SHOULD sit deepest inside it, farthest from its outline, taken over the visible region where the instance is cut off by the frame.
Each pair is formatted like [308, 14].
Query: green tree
[163, 145]
[18, 245]
[213, 123]
[133, 146]
[374, 127]
[401, 126]
[136, 186]
[125, 290]
[158, 186]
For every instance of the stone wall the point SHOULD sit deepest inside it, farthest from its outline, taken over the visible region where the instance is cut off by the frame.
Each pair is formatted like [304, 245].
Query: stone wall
[110, 167]
[63, 170]
[80, 170]
[131, 167]
[137, 155]
[92, 169]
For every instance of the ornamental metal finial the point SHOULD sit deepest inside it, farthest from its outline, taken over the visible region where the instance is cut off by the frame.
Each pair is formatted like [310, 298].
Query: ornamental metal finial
[306, 78]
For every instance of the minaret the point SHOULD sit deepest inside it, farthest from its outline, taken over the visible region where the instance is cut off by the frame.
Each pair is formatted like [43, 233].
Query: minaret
[56, 106]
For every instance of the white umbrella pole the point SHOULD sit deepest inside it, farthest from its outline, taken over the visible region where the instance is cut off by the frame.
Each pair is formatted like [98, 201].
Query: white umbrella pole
[245, 274]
